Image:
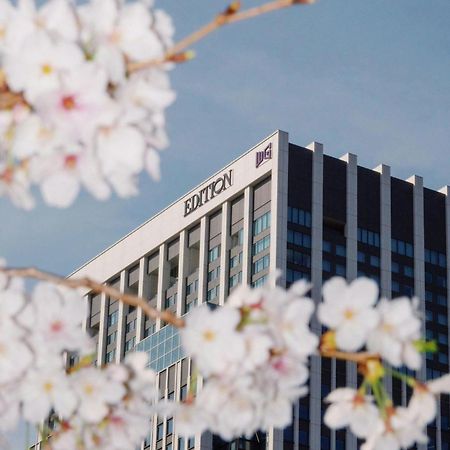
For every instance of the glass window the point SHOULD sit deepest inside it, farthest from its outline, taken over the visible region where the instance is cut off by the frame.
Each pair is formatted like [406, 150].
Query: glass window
[261, 264]
[295, 275]
[299, 258]
[192, 287]
[214, 253]
[361, 257]
[374, 261]
[131, 326]
[441, 281]
[113, 318]
[169, 426]
[368, 237]
[326, 265]
[260, 282]
[261, 223]
[340, 270]
[341, 250]
[326, 246]
[213, 274]
[111, 338]
[159, 431]
[261, 245]
[129, 345]
[442, 319]
[409, 250]
[171, 301]
[408, 271]
[212, 293]
[235, 279]
[236, 260]
[110, 356]
[300, 239]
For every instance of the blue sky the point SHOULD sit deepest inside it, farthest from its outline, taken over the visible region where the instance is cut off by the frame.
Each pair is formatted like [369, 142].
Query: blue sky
[368, 77]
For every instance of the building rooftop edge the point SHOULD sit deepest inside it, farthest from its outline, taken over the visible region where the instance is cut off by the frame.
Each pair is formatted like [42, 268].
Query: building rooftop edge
[173, 202]
[445, 190]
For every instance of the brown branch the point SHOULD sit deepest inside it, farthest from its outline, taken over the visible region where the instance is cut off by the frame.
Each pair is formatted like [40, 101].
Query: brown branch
[359, 358]
[230, 15]
[86, 282]
[10, 99]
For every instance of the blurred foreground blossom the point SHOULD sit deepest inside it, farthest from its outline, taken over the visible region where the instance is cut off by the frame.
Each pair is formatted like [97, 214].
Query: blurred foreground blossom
[71, 113]
[250, 358]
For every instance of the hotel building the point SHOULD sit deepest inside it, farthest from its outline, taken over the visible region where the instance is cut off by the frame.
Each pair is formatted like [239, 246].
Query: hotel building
[282, 206]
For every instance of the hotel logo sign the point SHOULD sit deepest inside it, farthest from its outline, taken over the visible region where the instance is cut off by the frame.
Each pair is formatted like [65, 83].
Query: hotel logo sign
[263, 155]
[207, 193]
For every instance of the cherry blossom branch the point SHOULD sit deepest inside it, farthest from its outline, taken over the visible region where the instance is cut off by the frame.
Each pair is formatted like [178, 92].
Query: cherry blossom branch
[359, 358]
[230, 15]
[94, 286]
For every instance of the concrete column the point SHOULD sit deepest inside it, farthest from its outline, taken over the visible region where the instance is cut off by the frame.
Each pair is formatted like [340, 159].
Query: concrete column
[224, 248]
[316, 278]
[352, 258]
[446, 191]
[279, 206]
[102, 329]
[121, 319]
[385, 242]
[203, 260]
[143, 288]
[247, 238]
[385, 228]
[419, 260]
[182, 272]
[162, 280]
[352, 215]
[419, 253]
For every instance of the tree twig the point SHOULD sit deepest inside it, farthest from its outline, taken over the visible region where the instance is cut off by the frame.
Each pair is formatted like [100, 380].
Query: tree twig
[359, 358]
[94, 286]
[230, 15]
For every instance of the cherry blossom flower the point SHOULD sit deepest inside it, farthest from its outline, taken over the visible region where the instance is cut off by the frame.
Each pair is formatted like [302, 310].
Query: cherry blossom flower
[402, 432]
[15, 355]
[423, 405]
[348, 310]
[39, 65]
[211, 338]
[15, 184]
[396, 332]
[44, 390]
[80, 105]
[350, 408]
[124, 29]
[96, 392]
[80, 118]
[121, 167]
[61, 176]
[57, 315]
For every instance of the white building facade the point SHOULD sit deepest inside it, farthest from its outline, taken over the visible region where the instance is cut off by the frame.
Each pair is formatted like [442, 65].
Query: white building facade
[286, 207]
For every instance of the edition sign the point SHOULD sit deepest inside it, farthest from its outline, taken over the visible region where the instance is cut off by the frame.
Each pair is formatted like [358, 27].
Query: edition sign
[207, 193]
[264, 155]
